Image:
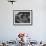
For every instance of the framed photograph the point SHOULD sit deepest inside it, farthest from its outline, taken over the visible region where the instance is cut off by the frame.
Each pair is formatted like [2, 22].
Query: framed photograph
[22, 17]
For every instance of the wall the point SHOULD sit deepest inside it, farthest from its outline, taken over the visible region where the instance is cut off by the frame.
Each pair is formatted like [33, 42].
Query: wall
[38, 30]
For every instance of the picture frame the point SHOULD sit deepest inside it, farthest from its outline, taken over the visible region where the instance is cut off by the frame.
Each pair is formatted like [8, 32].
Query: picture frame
[22, 17]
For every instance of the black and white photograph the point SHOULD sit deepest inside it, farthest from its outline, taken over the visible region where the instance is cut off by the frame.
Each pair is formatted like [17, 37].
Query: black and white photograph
[22, 22]
[22, 17]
